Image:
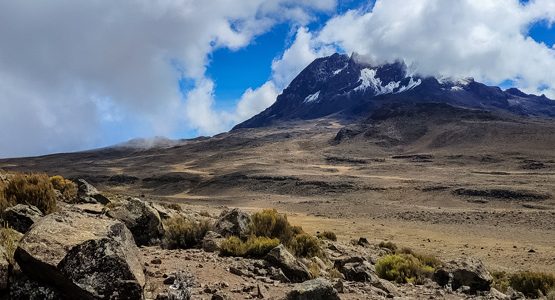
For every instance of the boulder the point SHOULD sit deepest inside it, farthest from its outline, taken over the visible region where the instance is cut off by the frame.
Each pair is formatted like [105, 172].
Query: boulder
[233, 222]
[469, 272]
[141, 218]
[82, 256]
[291, 266]
[212, 241]
[21, 217]
[87, 193]
[356, 268]
[23, 287]
[316, 289]
[4, 270]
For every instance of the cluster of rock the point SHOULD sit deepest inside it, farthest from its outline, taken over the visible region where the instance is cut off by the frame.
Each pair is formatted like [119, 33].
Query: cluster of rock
[89, 250]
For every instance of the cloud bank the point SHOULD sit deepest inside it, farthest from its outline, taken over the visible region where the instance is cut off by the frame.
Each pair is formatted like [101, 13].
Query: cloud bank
[73, 73]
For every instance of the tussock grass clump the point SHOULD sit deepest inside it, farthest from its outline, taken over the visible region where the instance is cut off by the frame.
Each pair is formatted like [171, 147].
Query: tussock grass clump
[403, 268]
[255, 247]
[270, 223]
[67, 188]
[425, 259]
[9, 239]
[328, 235]
[305, 245]
[32, 189]
[388, 245]
[183, 233]
[532, 284]
[500, 281]
[173, 206]
[3, 200]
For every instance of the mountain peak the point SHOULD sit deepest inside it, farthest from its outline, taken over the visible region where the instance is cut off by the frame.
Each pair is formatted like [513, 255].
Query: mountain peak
[350, 86]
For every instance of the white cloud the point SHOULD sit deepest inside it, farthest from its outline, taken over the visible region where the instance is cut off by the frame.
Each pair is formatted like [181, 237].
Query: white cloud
[484, 39]
[71, 71]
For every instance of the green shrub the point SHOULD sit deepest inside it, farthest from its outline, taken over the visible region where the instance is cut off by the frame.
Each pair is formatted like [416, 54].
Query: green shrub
[254, 246]
[532, 283]
[183, 233]
[9, 239]
[427, 260]
[328, 235]
[32, 189]
[270, 223]
[403, 268]
[67, 188]
[388, 245]
[500, 281]
[305, 245]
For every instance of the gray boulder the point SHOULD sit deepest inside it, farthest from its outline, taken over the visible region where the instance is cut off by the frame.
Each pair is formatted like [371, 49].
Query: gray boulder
[212, 241]
[87, 193]
[21, 217]
[233, 223]
[291, 266]
[469, 272]
[82, 256]
[23, 287]
[316, 289]
[141, 218]
[356, 268]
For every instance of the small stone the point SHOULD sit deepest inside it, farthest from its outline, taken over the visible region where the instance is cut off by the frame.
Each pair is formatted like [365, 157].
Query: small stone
[156, 261]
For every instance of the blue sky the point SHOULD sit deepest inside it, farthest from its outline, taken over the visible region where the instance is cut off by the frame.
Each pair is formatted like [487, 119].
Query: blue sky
[74, 79]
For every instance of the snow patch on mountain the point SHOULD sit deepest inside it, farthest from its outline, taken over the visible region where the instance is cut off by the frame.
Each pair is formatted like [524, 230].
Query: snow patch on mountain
[340, 70]
[312, 98]
[368, 79]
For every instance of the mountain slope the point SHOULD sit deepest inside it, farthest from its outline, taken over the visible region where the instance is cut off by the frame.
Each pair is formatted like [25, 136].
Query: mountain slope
[348, 88]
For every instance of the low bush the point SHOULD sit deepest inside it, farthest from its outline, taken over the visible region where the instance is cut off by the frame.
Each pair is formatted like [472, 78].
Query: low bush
[183, 233]
[425, 259]
[3, 200]
[173, 206]
[255, 247]
[327, 235]
[403, 268]
[305, 245]
[551, 295]
[388, 245]
[269, 223]
[9, 239]
[67, 188]
[32, 189]
[532, 284]
[500, 281]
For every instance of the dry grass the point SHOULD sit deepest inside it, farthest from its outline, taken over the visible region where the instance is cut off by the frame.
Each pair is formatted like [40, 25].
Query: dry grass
[9, 239]
[32, 189]
[67, 188]
[305, 245]
[403, 268]
[183, 233]
[533, 284]
[270, 223]
[255, 247]
[388, 245]
[328, 235]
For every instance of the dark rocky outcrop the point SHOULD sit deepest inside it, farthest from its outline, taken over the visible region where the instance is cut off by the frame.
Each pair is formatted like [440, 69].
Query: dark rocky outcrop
[211, 241]
[87, 193]
[4, 270]
[233, 223]
[84, 257]
[291, 266]
[316, 289]
[468, 272]
[141, 218]
[21, 217]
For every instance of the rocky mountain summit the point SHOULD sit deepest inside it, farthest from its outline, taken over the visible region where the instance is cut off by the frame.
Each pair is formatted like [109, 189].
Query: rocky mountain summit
[348, 87]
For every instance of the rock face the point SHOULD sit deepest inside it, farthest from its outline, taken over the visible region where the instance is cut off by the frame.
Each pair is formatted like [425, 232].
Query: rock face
[233, 222]
[291, 267]
[4, 270]
[87, 193]
[211, 241]
[468, 272]
[316, 289]
[21, 217]
[84, 257]
[141, 218]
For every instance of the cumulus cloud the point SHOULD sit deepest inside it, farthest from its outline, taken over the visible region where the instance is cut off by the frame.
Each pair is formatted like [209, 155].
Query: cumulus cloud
[484, 39]
[73, 72]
